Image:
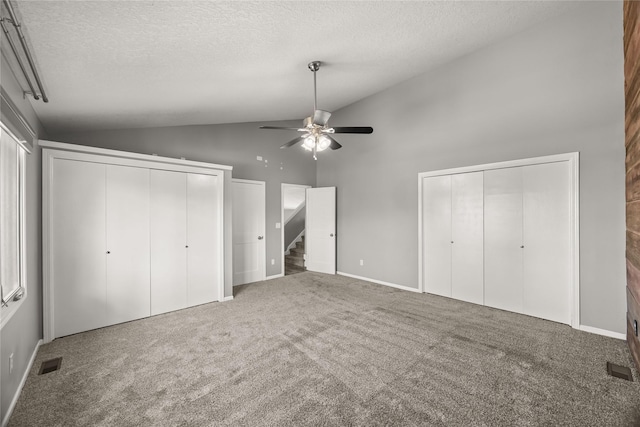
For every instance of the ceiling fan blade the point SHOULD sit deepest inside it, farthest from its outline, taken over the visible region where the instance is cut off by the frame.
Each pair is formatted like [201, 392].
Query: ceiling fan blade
[356, 129]
[334, 144]
[277, 127]
[321, 117]
[293, 141]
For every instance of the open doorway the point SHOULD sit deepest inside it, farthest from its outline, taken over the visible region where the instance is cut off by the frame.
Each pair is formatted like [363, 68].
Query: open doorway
[293, 227]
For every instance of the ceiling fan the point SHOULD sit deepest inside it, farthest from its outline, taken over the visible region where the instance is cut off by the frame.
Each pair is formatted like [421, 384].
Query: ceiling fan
[316, 134]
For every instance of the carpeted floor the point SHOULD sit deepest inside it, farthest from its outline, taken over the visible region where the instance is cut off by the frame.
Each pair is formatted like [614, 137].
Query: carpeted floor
[312, 349]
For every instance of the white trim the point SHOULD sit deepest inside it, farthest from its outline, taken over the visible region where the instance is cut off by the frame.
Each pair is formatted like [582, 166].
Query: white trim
[282, 185]
[148, 163]
[14, 401]
[129, 155]
[247, 181]
[379, 282]
[275, 276]
[6, 313]
[58, 150]
[502, 165]
[574, 238]
[574, 168]
[225, 299]
[603, 332]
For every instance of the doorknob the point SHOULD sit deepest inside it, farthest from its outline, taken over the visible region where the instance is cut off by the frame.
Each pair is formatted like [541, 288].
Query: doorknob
[260, 237]
[331, 235]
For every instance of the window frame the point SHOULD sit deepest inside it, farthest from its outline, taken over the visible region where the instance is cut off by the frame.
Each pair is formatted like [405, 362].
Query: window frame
[10, 307]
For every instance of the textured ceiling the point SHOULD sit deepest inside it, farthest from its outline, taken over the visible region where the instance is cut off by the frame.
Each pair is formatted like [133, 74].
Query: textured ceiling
[121, 64]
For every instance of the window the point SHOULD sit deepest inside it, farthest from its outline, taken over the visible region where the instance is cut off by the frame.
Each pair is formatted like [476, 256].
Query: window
[12, 276]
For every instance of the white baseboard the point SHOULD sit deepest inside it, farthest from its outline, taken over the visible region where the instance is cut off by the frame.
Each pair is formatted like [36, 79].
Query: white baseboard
[604, 332]
[229, 298]
[14, 401]
[275, 276]
[379, 282]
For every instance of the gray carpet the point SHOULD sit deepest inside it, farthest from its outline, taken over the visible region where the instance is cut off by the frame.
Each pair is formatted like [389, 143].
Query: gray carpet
[312, 349]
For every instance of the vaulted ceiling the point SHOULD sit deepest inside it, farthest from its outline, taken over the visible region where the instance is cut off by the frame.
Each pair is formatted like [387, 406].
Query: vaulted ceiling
[125, 64]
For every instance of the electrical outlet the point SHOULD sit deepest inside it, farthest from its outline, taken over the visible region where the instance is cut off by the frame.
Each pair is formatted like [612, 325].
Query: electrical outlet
[10, 363]
[273, 261]
[259, 158]
[361, 262]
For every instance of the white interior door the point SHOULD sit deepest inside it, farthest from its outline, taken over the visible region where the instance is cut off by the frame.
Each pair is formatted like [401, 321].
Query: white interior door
[436, 220]
[503, 283]
[127, 235]
[78, 246]
[203, 239]
[320, 232]
[547, 260]
[168, 219]
[249, 207]
[467, 235]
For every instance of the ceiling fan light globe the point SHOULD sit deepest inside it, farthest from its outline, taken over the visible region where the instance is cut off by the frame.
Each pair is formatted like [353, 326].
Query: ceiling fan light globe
[323, 143]
[309, 142]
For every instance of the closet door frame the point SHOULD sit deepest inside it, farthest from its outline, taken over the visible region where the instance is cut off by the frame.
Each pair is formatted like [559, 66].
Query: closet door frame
[58, 150]
[573, 160]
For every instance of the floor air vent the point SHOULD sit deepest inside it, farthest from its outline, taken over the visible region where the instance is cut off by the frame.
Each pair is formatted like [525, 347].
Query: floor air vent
[619, 371]
[50, 365]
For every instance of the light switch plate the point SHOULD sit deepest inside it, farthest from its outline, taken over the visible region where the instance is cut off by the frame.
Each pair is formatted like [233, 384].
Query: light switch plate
[277, 225]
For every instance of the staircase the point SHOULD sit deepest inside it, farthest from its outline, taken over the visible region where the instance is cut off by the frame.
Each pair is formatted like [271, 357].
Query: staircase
[294, 262]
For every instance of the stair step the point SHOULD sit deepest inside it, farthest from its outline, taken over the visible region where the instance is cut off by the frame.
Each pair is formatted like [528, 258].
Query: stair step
[289, 260]
[297, 251]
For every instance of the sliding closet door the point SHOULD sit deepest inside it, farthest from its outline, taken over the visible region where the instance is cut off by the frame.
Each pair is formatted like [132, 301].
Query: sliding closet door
[128, 252]
[467, 259]
[77, 228]
[503, 252]
[547, 261]
[436, 219]
[168, 219]
[203, 239]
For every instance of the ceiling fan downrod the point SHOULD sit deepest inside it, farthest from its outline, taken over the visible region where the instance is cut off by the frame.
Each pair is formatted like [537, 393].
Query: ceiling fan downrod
[314, 66]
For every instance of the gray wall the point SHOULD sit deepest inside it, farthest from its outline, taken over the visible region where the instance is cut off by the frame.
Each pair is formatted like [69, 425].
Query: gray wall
[555, 88]
[23, 331]
[237, 145]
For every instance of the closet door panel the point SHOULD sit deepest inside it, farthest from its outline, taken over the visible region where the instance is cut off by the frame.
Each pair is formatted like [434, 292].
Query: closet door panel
[128, 277]
[203, 239]
[503, 281]
[436, 211]
[547, 275]
[168, 220]
[78, 246]
[467, 258]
